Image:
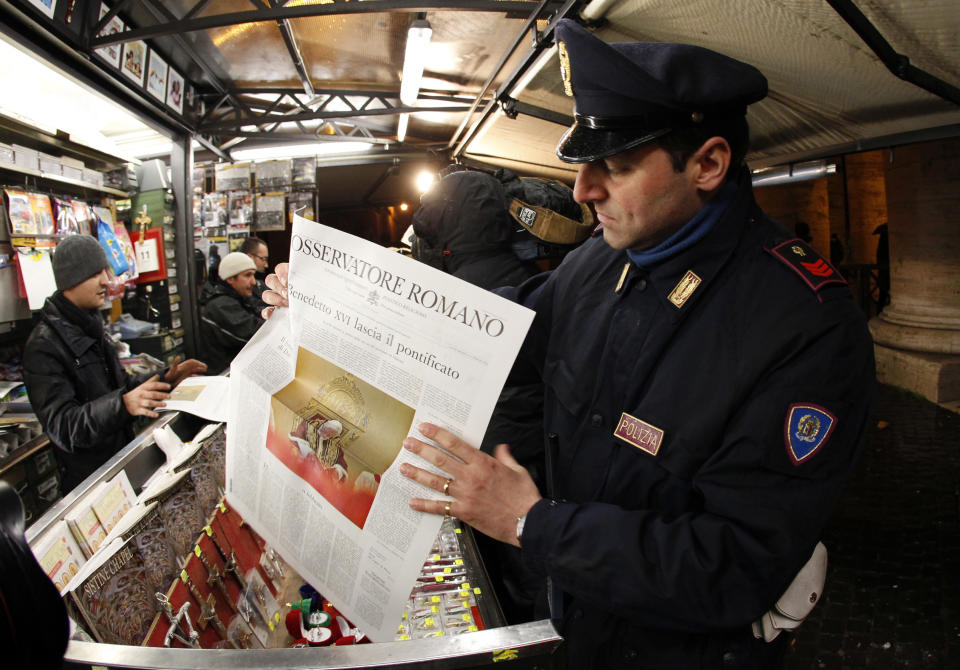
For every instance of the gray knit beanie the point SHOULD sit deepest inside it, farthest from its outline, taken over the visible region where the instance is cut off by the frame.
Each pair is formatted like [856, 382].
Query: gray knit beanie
[76, 259]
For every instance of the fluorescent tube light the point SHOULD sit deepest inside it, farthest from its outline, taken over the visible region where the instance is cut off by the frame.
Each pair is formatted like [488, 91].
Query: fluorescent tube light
[418, 41]
[402, 127]
[295, 150]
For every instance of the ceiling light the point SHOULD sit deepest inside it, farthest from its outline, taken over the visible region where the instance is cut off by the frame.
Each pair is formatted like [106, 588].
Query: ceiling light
[404, 206]
[418, 41]
[295, 150]
[424, 180]
[794, 172]
[402, 127]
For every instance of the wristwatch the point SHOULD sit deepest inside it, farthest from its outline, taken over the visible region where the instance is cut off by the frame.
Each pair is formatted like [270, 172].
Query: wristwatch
[520, 521]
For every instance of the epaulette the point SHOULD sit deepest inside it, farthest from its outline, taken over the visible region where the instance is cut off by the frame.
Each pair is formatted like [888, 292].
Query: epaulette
[813, 269]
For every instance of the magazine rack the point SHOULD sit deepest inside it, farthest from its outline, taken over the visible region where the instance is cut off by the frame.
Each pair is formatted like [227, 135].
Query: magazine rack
[528, 645]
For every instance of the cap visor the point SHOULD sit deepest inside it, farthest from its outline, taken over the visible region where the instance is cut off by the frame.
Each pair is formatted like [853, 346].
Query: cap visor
[583, 145]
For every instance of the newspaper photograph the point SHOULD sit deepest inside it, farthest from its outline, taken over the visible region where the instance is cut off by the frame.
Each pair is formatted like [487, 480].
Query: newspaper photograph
[323, 395]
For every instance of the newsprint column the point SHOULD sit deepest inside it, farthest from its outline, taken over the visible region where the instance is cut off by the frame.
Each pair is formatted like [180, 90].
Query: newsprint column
[918, 334]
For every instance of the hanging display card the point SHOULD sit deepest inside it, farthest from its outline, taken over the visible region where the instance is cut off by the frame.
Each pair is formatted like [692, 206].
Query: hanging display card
[232, 176]
[272, 174]
[110, 53]
[21, 215]
[37, 272]
[270, 211]
[134, 60]
[157, 76]
[42, 213]
[301, 203]
[305, 171]
[175, 91]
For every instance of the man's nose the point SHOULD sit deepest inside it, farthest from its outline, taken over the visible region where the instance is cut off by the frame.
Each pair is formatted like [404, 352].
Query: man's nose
[587, 187]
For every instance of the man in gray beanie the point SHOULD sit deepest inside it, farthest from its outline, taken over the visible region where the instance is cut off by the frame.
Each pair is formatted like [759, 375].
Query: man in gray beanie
[228, 319]
[76, 384]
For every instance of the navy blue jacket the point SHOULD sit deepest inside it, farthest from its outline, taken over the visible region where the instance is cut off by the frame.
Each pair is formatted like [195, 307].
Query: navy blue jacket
[665, 544]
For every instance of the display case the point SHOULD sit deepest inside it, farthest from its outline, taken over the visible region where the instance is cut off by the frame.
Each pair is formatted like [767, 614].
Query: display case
[529, 645]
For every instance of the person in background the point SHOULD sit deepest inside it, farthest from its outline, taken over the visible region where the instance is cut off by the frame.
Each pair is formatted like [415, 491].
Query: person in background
[259, 253]
[708, 383]
[227, 318]
[75, 381]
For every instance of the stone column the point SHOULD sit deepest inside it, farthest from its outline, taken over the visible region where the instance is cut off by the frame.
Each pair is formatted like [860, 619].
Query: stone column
[918, 333]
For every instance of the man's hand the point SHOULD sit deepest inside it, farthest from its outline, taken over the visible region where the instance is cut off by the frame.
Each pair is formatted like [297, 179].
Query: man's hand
[276, 293]
[179, 371]
[488, 493]
[142, 400]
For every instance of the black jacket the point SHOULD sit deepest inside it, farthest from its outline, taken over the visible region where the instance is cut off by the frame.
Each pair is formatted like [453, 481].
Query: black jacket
[463, 227]
[227, 322]
[685, 499]
[76, 384]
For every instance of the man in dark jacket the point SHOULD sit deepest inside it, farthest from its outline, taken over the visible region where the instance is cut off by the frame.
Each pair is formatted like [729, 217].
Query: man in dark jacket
[707, 379]
[76, 384]
[227, 318]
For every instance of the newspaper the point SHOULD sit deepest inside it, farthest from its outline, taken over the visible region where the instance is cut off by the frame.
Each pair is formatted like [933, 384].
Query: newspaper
[205, 397]
[321, 398]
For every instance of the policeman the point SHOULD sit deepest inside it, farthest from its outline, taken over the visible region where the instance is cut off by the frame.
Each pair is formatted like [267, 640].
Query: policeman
[708, 379]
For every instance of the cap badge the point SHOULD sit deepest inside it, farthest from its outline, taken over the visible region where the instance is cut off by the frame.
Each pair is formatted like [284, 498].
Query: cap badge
[806, 430]
[565, 67]
[639, 433]
[682, 291]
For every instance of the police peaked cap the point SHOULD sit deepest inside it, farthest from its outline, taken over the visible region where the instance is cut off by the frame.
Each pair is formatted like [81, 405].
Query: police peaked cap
[630, 93]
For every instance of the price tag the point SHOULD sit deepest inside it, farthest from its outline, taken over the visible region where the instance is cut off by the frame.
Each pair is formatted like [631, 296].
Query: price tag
[196, 550]
[208, 530]
[183, 575]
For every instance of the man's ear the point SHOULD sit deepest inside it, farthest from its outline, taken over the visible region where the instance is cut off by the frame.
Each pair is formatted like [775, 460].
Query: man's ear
[712, 161]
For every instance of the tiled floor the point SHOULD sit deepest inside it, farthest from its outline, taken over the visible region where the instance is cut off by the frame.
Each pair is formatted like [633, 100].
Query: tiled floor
[892, 598]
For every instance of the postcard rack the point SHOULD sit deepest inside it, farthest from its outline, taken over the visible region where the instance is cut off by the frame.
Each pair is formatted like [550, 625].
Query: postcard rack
[529, 645]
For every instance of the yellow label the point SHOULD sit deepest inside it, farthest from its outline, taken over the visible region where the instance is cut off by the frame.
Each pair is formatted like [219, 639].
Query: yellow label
[404, 637]
[439, 578]
[683, 290]
[196, 550]
[208, 530]
[466, 617]
[270, 625]
[435, 599]
[473, 629]
[505, 655]
[459, 561]
[183, 575]
[223, 508]
[477, 590]
[466, 585]
[464, 594]
[276, 617]
[434, 609]
[447, 570]
[428, 622]
[457, 531]
[436, 557]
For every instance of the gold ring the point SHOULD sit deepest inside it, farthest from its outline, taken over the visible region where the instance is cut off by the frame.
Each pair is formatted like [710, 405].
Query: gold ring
[446, 487]
[446, 509]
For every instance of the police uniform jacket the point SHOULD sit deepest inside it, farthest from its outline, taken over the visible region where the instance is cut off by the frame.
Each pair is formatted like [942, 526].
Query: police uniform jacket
[76, 385]
[671, 538]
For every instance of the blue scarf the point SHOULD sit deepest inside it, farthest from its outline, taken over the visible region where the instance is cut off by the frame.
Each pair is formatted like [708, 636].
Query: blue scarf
[692, 232]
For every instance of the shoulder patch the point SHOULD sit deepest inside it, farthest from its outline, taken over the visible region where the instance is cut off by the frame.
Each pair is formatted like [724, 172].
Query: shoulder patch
[811, 266]
[806, 429]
